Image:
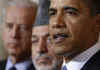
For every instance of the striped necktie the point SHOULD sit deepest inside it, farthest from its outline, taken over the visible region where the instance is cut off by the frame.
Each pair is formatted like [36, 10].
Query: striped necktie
[64, 68]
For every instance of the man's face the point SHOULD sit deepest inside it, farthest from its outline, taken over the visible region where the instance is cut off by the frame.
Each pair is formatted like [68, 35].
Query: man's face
[72, 28]
[43, 56]
[18, 31]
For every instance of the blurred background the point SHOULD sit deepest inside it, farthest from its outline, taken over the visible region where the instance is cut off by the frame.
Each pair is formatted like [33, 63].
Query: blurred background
[3, 4]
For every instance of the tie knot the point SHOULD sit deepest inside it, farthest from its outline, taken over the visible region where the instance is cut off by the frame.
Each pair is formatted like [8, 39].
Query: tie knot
[13, 68]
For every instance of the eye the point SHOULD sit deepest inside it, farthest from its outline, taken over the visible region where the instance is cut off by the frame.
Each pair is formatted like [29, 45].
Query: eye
[71, 12]
[9, 25]
[52, 12]
[34, 39]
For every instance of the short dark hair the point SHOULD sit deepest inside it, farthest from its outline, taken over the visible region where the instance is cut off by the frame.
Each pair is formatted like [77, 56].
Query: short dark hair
[94, 6]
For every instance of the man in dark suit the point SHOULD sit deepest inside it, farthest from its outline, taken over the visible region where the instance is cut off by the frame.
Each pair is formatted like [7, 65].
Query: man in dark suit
[74, 29]
[18, 19]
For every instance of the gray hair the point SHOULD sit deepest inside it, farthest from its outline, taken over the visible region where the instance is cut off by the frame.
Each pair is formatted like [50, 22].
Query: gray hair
[22, 4]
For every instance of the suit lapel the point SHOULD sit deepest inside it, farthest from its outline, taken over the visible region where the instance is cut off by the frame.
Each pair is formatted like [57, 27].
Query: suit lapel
[3, 64]
[31, 67]
[93, 63]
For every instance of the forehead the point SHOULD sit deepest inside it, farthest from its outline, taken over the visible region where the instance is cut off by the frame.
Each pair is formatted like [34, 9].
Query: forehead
[15, 14]
[62, 3]
[40, 30]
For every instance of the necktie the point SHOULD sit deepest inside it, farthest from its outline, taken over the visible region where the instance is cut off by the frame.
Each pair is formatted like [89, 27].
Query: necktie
[13, 68]
[64, 68]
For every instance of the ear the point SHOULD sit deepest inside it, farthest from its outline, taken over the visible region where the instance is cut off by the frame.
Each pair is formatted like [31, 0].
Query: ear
[98, 23]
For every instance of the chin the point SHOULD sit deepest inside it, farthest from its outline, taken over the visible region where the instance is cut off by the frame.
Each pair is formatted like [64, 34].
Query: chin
[52, 66]
[14, 53]
[44, 68]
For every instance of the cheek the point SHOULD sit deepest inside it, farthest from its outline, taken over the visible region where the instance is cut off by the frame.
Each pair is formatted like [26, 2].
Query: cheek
[33, 51]
[5, 35]
[26, 38]
[52, 23]
[5, 41]
[71, 26]
[64, 48]
[76, 29]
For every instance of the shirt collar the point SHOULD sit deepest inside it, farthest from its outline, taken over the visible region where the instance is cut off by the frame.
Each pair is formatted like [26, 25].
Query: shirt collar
[20, 66]
[78, 62]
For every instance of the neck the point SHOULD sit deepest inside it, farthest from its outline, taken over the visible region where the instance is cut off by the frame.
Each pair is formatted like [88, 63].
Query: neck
[15, 60]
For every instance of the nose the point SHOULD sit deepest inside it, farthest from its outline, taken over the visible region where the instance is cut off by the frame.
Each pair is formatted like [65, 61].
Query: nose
[15, 32]
[59, 21]
[42, 46]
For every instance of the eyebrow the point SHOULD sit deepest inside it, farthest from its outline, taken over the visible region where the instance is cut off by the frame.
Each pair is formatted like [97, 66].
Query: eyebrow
[67, 7]
[52, 9]
[33, 35]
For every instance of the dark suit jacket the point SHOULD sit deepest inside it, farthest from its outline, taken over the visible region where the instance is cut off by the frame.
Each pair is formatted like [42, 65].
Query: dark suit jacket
[3, 65]
[93, 63]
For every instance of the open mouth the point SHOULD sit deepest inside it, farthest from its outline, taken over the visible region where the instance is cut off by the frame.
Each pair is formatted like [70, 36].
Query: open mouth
[60, 37]
[44, 61]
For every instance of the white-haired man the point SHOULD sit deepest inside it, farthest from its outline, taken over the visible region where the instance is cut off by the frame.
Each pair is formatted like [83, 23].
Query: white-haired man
[18, 19]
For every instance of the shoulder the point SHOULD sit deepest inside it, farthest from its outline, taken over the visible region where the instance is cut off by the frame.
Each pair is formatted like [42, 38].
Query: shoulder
[93, 63]
[2, 64]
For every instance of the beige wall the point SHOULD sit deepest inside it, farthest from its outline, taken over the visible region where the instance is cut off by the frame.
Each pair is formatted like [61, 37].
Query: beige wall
[2, 52]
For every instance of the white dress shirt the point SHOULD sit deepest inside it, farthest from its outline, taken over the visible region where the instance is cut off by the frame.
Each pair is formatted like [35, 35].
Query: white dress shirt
[19, 66]
[78, 62]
